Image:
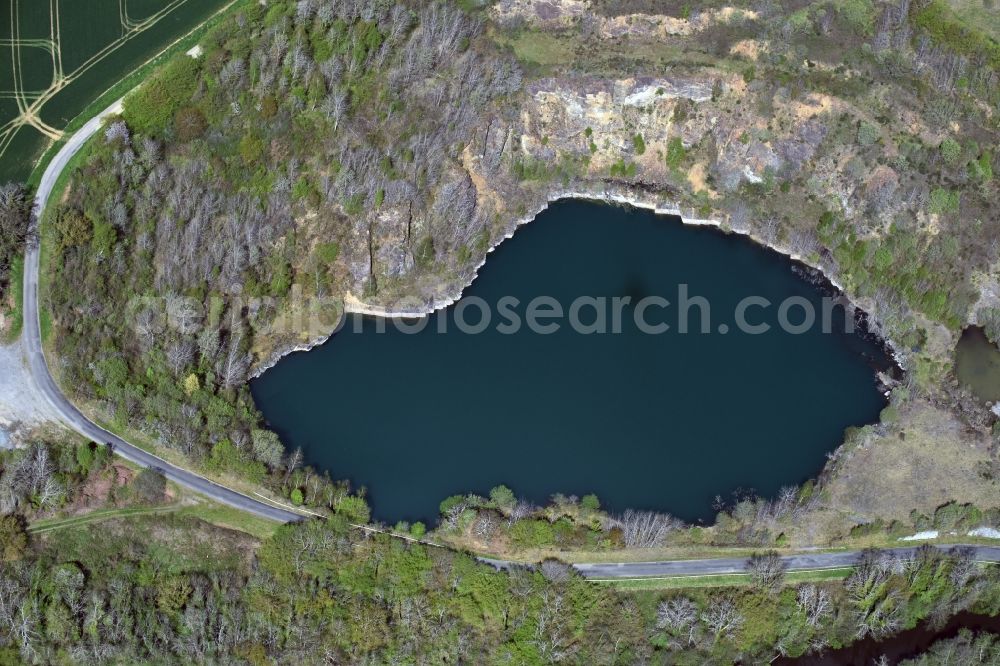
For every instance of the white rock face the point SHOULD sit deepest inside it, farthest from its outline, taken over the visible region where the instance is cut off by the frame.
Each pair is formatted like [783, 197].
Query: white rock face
[921, 536]
[985, 532]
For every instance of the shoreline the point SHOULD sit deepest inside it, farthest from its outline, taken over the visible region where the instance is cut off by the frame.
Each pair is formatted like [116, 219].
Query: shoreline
[626, 197]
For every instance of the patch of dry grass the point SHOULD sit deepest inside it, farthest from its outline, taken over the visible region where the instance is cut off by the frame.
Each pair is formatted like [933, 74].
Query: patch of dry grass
[926, 461]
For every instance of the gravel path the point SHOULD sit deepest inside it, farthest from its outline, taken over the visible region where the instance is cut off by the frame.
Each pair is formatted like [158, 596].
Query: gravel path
[22, 404]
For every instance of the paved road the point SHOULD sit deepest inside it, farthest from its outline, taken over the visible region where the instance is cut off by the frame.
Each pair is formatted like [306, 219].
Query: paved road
[731, 565]
[68, 413]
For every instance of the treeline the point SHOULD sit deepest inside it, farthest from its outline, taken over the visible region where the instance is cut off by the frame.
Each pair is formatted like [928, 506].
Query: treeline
[44, 478]
[502, 522]
[15, 230]
[180, 590]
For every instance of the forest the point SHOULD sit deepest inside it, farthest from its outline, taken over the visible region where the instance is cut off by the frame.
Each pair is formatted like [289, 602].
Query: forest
[170, 588]
[234, 177]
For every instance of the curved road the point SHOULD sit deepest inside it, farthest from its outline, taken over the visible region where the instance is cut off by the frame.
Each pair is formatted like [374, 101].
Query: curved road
[72, 417]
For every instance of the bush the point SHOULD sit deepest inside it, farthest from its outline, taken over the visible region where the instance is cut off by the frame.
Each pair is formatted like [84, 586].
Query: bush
[353, 509]
[590, 502]
[944, 201]
[532, 533]
[623, 169]
[150, 486]
[639, 144]
[251, 148]
[189, 123]
[328, 252]
[951, 152]
[868, 133]
[859, 15]
[13, 538]
[675, 152]
[502, 497]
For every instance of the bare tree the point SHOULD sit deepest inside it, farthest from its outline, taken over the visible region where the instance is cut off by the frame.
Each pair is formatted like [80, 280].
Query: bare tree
[179, 356]
[876, 603]
[644, 529]
[722, 617]
[814, 602]
[679, 616]
[293, 462]
[767, 571]
[234, 365]
[556, 571]
[519, 511]
[486, 524]
[15, 224]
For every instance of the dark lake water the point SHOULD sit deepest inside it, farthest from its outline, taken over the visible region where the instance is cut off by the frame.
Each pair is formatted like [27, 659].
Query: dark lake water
[906, 644]
[653, 421]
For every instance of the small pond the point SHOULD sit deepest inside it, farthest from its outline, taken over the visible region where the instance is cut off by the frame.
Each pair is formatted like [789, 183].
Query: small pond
[977, 364]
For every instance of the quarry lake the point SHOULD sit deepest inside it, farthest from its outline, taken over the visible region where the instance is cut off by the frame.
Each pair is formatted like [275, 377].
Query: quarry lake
[662, 420]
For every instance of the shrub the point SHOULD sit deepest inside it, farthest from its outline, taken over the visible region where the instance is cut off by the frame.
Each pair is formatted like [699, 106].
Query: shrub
[251, 148]
[623, 169]
[532, 533]
[639, 144]
[328, 252]
[868, 133]
[944, 201]
[189, 123]
[675, 152]
[951, 152]
[859, 15]
[150, 486]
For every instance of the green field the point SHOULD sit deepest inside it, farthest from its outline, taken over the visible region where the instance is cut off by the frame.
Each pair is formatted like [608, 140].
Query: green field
[58, 56]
